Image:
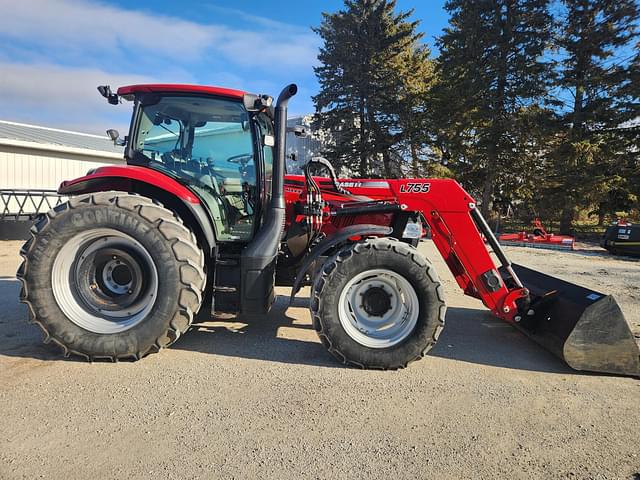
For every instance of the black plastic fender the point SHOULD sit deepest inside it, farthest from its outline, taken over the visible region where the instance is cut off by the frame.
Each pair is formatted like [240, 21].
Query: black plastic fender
[341, 236]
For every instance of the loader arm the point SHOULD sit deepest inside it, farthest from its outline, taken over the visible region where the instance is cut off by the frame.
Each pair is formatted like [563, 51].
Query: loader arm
[458, 232]
[585, 328]
[456, 226]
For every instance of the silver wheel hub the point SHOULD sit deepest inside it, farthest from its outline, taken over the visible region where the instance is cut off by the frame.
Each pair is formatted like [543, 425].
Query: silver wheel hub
[104, 281]
[117, 276]
[378, 308]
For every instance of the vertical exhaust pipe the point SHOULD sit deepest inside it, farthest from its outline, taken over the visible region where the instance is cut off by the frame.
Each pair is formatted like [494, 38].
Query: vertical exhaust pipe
[282, 104]
[258, 259]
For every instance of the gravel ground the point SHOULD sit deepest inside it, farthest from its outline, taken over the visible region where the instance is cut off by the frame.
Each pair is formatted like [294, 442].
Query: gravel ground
[262, 399]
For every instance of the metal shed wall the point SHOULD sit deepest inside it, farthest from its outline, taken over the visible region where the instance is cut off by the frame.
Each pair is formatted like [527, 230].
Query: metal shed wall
[23, 167]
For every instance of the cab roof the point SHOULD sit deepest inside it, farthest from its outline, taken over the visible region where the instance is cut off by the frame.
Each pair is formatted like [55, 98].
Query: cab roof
[180, 88]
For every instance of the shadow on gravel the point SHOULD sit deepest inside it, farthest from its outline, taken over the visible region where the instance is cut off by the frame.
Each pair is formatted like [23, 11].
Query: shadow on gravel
[18, 338]
[475, 336]
[283, 336]
[257, 338]
[286, 336]
[471, 335]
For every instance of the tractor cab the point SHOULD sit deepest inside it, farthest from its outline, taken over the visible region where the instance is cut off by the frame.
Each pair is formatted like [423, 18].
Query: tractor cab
[213, 145]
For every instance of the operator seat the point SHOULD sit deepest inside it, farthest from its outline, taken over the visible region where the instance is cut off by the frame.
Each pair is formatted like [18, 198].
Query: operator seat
[232, 185]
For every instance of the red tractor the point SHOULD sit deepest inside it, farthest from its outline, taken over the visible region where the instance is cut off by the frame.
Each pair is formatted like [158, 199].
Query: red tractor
[203, 218]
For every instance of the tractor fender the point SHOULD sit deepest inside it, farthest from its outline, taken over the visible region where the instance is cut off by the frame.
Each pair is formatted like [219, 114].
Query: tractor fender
[341, 236]
[149, 183]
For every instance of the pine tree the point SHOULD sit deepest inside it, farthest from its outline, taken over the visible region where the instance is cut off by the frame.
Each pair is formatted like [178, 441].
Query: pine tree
[491, 70]
[415, 80]
[366, 46]
[600, 83]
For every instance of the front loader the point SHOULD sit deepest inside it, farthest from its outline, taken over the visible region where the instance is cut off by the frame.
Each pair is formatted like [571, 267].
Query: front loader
[204, 219]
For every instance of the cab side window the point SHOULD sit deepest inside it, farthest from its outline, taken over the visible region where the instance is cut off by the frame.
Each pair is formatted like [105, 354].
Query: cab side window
[265, 130]
[207, 143]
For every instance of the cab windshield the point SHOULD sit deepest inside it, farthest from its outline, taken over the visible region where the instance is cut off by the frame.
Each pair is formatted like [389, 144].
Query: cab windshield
[207, 144]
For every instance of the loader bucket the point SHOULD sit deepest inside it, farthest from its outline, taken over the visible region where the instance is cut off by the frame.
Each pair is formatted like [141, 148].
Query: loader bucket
[585, 328]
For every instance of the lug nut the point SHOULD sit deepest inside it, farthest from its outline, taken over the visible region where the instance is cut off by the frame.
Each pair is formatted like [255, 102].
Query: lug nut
[517, 318]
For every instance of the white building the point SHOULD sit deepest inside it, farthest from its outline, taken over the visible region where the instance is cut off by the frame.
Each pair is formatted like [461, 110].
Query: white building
[34, 158]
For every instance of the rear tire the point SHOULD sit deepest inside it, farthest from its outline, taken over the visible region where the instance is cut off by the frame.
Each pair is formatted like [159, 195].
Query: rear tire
[111, 275]
[378, 304]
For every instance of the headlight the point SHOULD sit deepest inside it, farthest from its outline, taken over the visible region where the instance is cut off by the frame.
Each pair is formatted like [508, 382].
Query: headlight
[413, 229]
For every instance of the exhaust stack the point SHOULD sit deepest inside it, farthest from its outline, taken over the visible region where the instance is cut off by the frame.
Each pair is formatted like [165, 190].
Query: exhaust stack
[258, 259]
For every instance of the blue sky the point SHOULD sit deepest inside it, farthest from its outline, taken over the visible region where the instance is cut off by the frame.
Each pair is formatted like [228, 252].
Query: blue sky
[53, 53]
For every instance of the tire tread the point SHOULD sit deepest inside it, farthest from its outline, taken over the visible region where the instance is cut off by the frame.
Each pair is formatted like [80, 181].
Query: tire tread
[331, 267]
[190, 259]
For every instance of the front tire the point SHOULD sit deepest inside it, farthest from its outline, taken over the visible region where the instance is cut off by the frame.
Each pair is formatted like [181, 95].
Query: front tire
[378, 304]
[111, 275]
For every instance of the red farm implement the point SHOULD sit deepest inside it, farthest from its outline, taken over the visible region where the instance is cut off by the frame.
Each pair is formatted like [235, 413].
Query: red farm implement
[538, 237]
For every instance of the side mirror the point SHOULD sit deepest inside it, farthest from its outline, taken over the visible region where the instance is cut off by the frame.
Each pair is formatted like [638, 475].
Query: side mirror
[115, 137]
[299, 131]
[105, 91]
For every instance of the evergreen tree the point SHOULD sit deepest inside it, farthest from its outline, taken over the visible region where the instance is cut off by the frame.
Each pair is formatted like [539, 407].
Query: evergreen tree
[491, 71]
[415, 79]
[600, 83]
[363, 93]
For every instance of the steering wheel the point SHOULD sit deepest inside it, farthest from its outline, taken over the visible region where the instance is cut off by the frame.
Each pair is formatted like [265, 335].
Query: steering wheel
[244, 158]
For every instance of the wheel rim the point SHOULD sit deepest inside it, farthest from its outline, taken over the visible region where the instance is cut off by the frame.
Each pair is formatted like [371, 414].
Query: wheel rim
[378, 308]
[104, 281]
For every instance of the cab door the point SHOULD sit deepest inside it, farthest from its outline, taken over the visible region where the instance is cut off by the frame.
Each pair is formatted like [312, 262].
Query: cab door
[207, 144]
